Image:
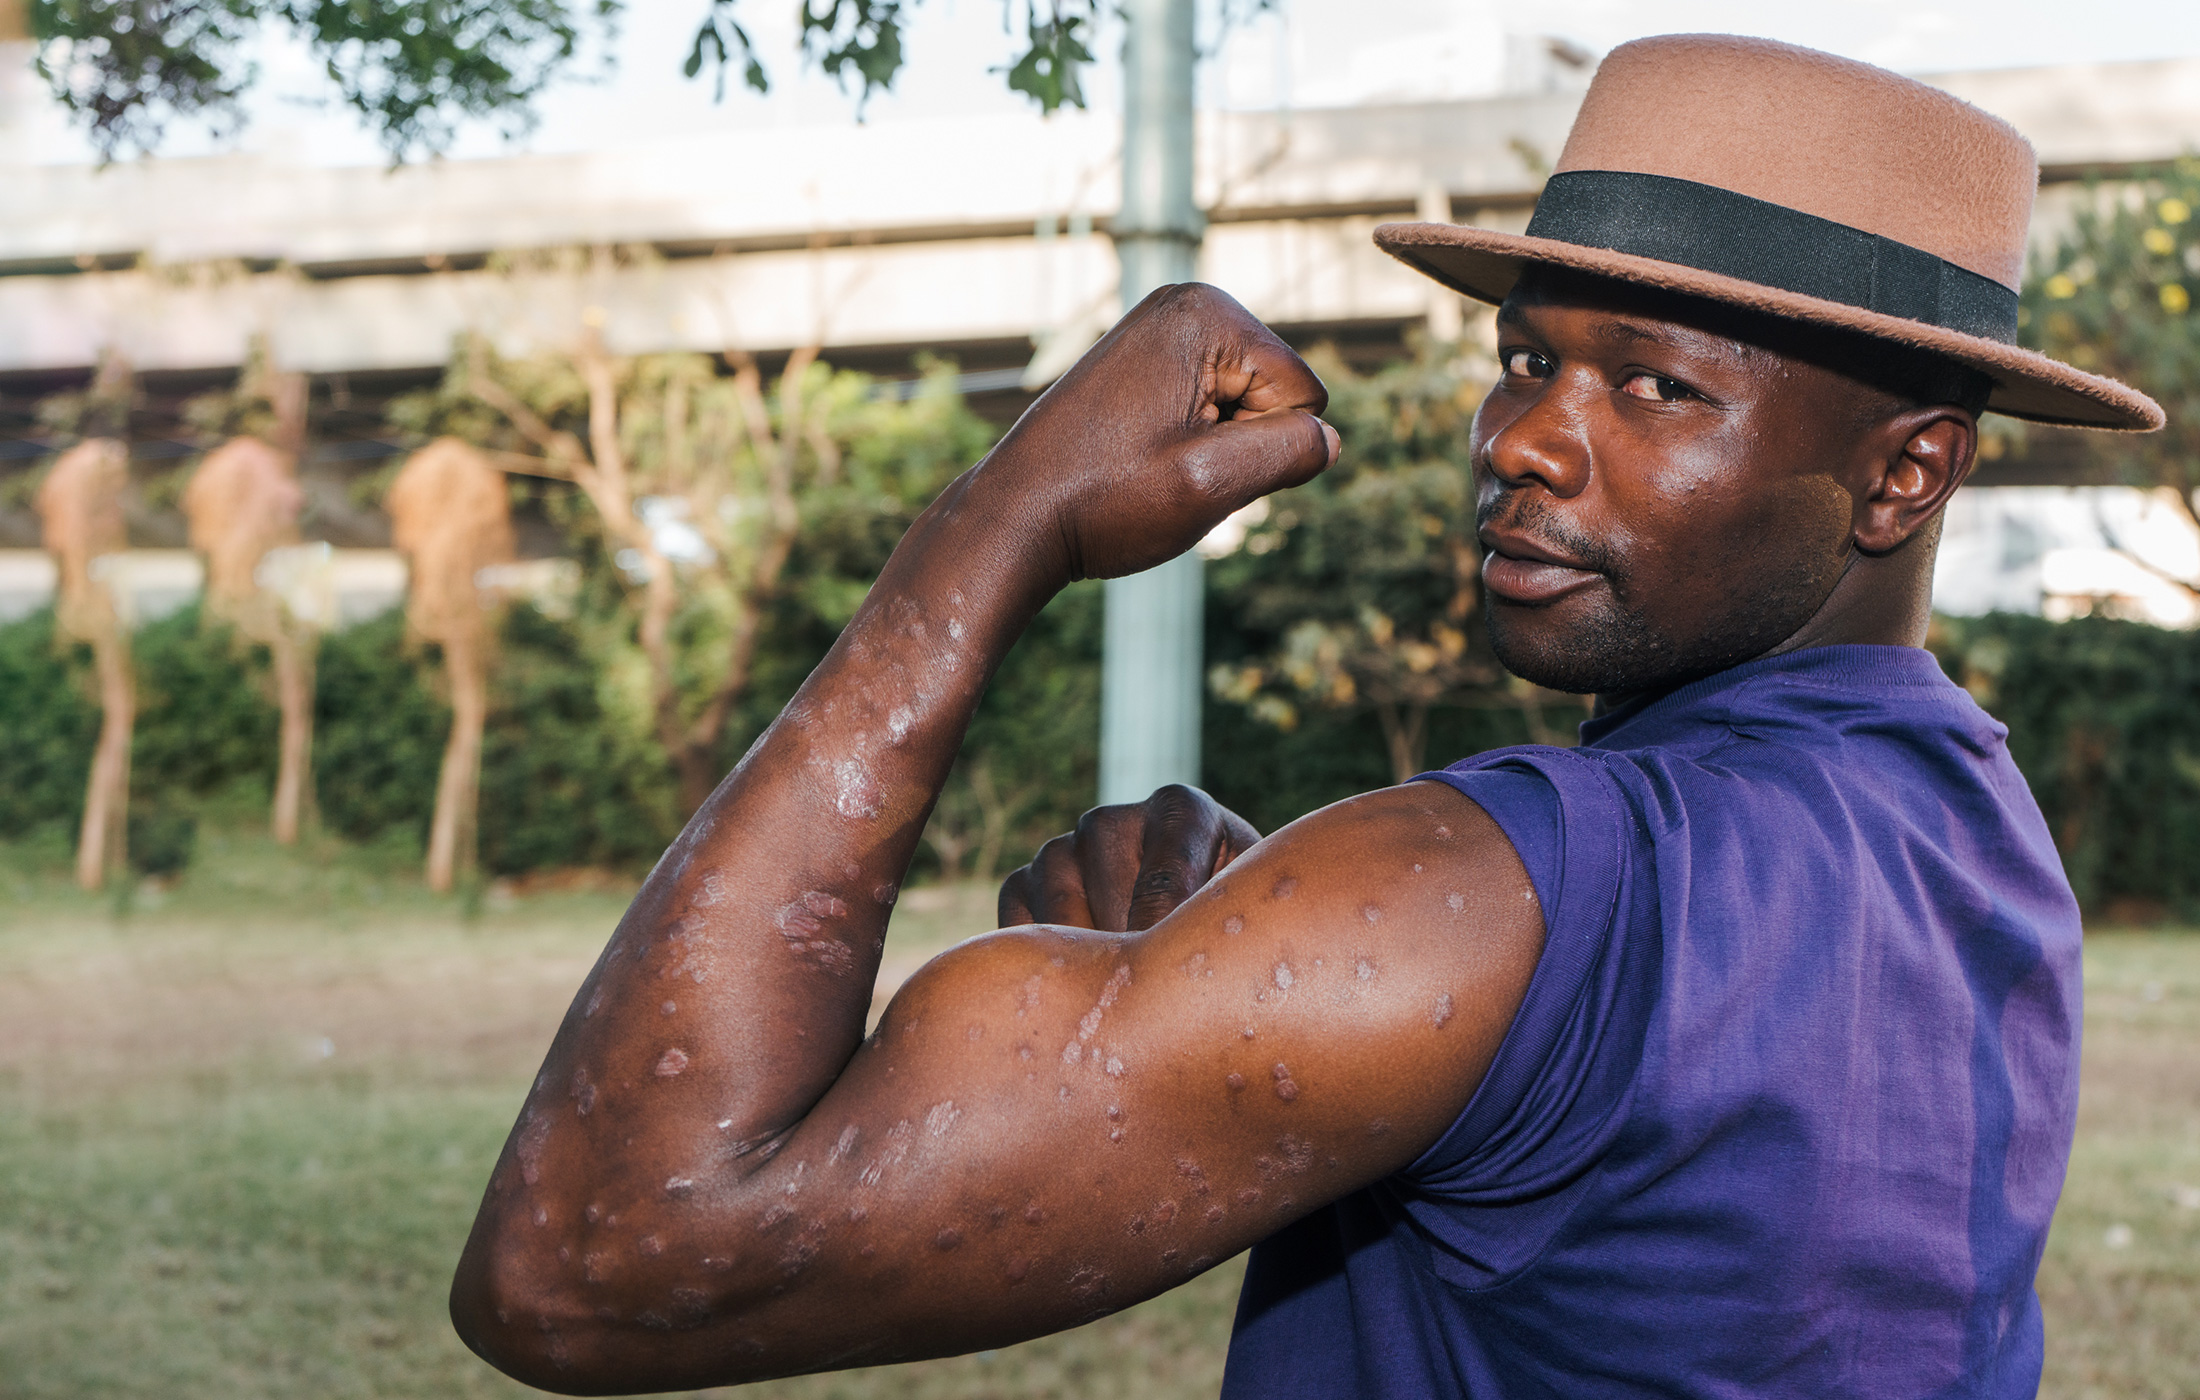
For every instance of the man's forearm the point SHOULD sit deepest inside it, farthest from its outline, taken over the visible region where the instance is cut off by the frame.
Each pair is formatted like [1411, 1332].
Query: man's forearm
[735, 988]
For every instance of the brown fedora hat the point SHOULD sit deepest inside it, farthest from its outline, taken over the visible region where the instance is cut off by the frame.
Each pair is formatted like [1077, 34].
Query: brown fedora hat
[1799, 184]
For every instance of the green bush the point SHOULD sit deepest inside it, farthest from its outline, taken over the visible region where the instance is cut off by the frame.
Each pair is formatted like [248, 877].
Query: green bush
[561, 785]
[47, 729]
[378, 733]
[206, 728]
[161, 839]
[2104, 720]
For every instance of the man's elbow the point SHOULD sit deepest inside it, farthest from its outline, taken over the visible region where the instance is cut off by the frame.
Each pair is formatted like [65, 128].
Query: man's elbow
[520, 1313]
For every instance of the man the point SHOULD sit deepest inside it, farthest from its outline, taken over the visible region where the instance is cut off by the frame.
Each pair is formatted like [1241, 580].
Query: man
[1732, 1053]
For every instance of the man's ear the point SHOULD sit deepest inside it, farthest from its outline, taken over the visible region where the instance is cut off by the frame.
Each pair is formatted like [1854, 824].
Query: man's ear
[1915, 461]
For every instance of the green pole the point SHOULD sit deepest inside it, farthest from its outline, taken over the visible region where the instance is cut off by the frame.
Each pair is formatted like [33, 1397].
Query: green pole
[1150, 675]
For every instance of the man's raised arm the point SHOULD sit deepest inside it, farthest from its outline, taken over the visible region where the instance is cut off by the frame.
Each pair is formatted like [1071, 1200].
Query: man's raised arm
[716, 1179]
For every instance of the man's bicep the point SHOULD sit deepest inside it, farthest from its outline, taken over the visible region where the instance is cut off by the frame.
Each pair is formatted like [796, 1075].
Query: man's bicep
[1053, 1124]
[1365, 964]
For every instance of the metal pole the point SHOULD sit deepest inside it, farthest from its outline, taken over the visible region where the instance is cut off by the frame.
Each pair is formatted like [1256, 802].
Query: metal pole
[1150, 676]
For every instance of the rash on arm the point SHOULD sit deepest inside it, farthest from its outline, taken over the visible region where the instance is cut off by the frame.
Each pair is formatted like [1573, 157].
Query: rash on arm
[1050, 1124]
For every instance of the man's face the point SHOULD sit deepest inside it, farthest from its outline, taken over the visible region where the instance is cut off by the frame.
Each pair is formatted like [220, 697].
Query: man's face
[1657, 500]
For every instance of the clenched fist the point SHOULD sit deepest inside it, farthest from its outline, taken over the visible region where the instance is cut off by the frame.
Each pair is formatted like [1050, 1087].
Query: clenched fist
[1126, 867]
[1186, 411]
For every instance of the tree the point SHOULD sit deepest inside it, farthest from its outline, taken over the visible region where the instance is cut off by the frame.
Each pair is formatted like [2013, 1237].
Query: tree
[1359, 589]
[451, 514]
[694, 488]
[692, 477]
[243, 502]
[80, 507]
[2115, 296]
[414, 70]
[80, 503]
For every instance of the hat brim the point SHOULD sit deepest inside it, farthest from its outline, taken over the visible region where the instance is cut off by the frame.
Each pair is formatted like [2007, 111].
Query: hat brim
[1484, 264]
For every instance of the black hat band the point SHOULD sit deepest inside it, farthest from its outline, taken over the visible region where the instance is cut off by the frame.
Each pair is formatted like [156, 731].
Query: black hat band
[1733, 235]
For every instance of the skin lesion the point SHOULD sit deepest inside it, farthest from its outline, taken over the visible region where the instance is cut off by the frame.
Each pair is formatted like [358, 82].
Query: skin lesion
[1034, 1207]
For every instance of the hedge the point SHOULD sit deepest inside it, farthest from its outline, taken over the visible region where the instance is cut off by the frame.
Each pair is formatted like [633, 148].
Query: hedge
[2104, 720]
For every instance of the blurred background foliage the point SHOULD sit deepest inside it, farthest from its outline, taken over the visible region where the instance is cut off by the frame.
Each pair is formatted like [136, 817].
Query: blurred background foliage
[2104, 721]
[1343, 637]
[2115, 296]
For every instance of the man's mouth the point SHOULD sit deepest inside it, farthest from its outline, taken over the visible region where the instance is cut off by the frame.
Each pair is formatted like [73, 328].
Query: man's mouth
[1523, 570]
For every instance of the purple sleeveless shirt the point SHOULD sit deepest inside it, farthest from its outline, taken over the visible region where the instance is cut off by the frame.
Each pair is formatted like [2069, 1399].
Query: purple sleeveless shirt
[1786, 1108]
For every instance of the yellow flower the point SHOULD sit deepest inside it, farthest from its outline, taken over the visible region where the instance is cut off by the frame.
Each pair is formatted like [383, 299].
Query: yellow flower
[2173, 211]
[2175, 299]
[2158, 241]
[2061, 288]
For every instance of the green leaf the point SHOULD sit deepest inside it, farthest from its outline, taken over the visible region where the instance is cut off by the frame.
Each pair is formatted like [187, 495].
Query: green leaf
[1048, 72]
[862, 37]
[718, 39]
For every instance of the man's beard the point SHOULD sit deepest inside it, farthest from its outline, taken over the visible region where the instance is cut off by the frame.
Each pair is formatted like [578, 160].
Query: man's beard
[1603, 655]
[1618, 650]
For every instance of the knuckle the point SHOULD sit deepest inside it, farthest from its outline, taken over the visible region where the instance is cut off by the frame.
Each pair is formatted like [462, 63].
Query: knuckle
[1177, 797]
[1098, 822]
[1059, 851]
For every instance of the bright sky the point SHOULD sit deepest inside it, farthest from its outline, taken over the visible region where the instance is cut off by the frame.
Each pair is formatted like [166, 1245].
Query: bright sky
[1304, 53]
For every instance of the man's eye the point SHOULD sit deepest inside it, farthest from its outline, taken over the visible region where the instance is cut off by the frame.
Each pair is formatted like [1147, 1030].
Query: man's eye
[1656, 387]
[1527, 364]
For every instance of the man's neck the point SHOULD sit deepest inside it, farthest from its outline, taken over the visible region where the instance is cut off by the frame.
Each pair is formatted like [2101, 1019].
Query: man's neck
[1882, 600]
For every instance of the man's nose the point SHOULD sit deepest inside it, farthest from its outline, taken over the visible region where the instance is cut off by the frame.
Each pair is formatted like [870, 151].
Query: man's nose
[1546, 442]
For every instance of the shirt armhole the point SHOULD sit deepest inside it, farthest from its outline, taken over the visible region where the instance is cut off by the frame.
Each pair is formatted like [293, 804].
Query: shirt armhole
[1567, 821]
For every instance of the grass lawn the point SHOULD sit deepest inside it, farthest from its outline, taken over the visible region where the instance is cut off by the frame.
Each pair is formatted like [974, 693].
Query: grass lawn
[243, 1126]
